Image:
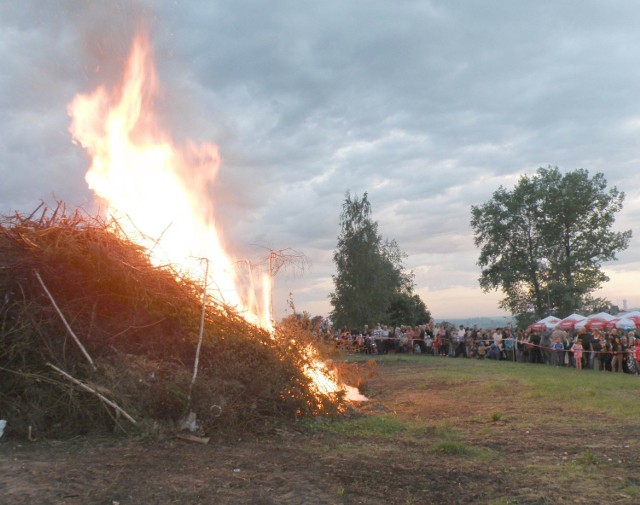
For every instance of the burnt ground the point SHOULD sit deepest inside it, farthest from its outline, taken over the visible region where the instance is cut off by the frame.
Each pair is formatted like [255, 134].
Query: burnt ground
[429, 434]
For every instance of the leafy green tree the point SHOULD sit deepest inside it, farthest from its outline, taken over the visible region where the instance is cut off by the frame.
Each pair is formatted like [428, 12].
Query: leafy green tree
[544, 242]
[369, 270]
[592, 305]
[405, 308]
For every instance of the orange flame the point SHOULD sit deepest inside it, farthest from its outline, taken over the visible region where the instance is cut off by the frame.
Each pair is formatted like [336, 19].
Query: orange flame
[155, 189]
[158, 193]
[325, 381]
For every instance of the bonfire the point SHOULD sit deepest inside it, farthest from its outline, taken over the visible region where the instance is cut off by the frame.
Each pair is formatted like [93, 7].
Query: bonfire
[95, 336]
[138, 314]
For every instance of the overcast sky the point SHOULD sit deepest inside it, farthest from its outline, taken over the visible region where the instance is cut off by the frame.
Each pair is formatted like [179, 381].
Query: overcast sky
[426, 105]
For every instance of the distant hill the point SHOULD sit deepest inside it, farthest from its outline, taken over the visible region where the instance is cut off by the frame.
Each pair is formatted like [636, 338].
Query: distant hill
[482, 322]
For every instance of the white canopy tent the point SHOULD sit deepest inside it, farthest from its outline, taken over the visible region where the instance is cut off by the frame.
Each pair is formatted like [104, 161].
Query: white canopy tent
[600, 315]
[569, 322]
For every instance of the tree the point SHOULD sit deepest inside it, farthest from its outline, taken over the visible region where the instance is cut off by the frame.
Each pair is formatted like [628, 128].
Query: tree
[405, 308]
[592, 305]
[370, 270]
[544, 242]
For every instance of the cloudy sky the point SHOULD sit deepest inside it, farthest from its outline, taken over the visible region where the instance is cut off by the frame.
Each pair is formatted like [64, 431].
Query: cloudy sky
[426, 105]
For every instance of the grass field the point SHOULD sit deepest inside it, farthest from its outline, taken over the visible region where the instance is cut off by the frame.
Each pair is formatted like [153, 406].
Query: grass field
[435, 430]
[504, 432]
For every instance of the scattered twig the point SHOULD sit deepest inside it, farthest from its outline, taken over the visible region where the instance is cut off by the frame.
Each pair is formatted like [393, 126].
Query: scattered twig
[103, 398]
[193, 438]
[34, 212]
[66, 324]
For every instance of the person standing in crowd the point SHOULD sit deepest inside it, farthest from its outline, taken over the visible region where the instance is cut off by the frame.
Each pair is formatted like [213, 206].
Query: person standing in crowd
[577, 349]
[617, 352]
[605, 354]
[386, 333]
[428, 341]
[376, 335]
[451, 338]
[523, 347]
[444, 341]
[636, 356]
[428, 337]
[534, 347]
[437, 341]
[418, 342]
[568, 354]
[408, 338]
[596, 347]
[368, 341]
[545, 347]
[459, 341]
[475, 335]
[344, 340]
[557, 341]
[509, 345]
[631, 349]
[470, 349]
[397, 339]
[624, 349]
[497, 337]
[585, 339]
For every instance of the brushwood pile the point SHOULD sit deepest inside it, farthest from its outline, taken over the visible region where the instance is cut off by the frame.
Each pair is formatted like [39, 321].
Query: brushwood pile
[140, 325]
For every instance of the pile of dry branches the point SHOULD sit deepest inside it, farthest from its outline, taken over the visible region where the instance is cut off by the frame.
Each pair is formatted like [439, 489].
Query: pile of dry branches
[91, 332]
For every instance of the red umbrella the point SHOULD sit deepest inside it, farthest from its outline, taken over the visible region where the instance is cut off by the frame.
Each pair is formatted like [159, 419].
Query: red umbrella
[596, 324]
[569, 322]
[566, 324]
[612, 323]
[538, 327]
[622, 322]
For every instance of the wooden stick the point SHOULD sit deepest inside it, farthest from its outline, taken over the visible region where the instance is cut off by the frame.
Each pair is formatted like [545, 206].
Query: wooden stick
[200, 336]
[66, 324]
[106, 400]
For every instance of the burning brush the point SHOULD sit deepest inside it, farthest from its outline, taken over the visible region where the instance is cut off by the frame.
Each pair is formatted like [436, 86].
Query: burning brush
[116, 307]
[137, 328]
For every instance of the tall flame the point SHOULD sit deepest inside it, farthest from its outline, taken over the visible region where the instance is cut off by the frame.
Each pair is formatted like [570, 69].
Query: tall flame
[158, 193]
[156, 189]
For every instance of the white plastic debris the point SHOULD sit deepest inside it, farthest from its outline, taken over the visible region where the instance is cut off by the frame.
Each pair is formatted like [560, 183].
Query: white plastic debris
[189, 422]
[3, 423]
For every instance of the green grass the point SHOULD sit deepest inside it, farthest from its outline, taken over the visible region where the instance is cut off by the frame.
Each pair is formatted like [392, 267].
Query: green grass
[586, 458]
[488, 416]
[495, 416]
[454, 447]
[632, 491]
[442, 430]
[585, 391]
[458, 448]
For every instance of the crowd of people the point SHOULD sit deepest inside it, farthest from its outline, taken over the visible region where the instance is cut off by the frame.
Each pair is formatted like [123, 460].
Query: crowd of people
[614, 350]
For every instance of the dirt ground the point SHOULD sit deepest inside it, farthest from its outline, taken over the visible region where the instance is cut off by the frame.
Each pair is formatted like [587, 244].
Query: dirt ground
[419, 440]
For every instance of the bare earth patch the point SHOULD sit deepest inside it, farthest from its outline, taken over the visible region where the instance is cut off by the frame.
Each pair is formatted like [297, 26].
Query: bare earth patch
[426, 436]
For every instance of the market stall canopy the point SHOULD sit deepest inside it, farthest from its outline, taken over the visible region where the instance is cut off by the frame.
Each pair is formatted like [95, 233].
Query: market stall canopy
[622, 323]
[569, 322]
[593, 324]
[634, 316]
[597, 321]
[548, 323]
